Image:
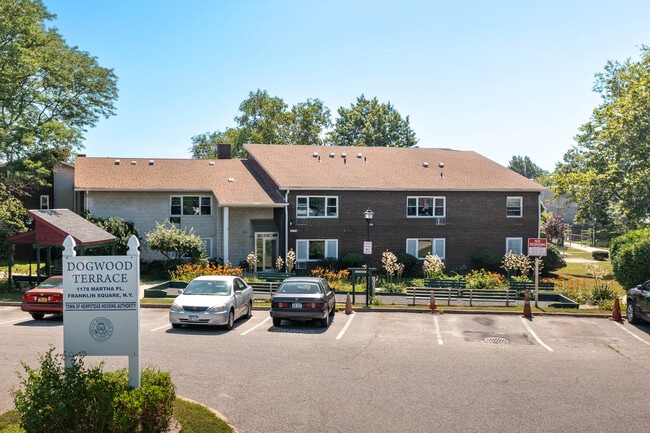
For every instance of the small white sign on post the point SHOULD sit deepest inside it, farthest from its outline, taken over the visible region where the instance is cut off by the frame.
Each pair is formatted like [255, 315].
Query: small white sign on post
[101, 305]
[367, 247]
[536, 246]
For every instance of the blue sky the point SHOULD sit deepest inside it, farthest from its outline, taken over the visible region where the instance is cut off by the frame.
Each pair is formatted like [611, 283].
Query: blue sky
[501, 78]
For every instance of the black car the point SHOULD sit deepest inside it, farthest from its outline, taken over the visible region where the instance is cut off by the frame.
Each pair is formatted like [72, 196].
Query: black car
[638, 303]
[303, 298]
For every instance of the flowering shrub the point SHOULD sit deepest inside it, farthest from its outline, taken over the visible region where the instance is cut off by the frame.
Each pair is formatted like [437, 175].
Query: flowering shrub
[189, 271]
[483, 279]
[573, 288]
[337, 280]
[519, 264]
[391, 265]
[433, 266]
[279, 264]
[291, 260]
[251, 259]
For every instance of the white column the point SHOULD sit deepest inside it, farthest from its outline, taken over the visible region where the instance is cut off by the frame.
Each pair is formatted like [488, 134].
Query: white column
[226, 241]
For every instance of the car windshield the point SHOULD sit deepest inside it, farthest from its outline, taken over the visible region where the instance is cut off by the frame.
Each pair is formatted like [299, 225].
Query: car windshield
[51, 283]
[306, 288]
[218, 288]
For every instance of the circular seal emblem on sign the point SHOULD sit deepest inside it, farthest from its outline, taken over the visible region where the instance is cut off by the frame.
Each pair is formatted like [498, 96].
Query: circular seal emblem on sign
[101, 329]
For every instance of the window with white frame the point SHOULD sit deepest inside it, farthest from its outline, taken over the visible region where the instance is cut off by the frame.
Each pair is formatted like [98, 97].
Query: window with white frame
[514, 207]
[421, 247]
[45, 202]
[317, 207]
[514, 245]
[425, 207]
[316, 249]
[191, 205]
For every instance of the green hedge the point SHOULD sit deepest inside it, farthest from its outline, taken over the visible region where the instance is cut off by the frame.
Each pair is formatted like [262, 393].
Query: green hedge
[74, 399]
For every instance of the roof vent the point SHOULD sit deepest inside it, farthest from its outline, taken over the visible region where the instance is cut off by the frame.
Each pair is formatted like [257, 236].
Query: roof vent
[211, 163]
[134, 162]
[359, 155]
[151, 162]
[344, 155]
[315, 154]
[231, 179]
[332, 154]
[117, 162]
[441, 164]
[425, 164]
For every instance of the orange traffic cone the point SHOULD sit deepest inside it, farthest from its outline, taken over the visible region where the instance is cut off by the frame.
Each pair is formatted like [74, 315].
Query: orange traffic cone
[432, 302]
[616, 312]
[527, 313]
[348, 305]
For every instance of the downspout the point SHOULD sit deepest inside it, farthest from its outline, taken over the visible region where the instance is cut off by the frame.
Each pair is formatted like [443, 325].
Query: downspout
[286, 224]
[226, 224]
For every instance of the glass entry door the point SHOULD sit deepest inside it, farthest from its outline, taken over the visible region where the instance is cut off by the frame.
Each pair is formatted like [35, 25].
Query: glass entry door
[266, 248]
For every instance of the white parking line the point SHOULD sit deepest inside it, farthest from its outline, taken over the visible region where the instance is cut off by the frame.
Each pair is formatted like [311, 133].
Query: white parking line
[256, 326]
[12, 321]
[338, 337]
[161, 327]
[634, 335]
[435, 321]
[541, 343]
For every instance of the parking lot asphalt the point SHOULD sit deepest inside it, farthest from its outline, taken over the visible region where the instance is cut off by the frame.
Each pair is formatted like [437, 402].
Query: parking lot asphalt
[385, 372]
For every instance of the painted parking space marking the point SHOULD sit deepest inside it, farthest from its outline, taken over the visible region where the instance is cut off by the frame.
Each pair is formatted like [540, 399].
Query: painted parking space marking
[347, 324]
[12, 321]
[437, 325]
[539, 340]
[167, 325]
[634, 335]
[256, 326]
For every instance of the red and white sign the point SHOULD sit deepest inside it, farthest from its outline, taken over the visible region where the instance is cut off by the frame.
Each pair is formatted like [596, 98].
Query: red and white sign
[536, 246]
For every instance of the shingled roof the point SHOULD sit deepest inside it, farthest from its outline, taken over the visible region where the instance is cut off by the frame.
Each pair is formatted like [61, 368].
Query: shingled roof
[230, 180]
[385, 168]
[52, 226]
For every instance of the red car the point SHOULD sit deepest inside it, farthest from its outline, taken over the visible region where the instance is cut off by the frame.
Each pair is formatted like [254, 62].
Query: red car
[46, 298]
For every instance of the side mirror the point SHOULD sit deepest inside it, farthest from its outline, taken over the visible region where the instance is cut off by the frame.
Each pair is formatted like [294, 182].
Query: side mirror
[180, 291]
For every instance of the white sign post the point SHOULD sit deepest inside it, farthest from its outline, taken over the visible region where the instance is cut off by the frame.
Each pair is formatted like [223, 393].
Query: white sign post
[101, 305]
[537, 248]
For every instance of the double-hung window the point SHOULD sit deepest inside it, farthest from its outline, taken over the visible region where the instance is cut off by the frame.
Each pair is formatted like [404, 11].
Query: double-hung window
[191, 205]
[317, 207]
[425, 207]
[514, 245]
[514, 207]
[421, 247]
[316, 249]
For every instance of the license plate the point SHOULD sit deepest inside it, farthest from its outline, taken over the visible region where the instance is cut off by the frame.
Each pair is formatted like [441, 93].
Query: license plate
[42, 299]
[296, 305]
[193, 318]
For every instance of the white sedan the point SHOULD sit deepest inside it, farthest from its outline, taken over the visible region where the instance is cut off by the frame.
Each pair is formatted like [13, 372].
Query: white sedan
[215, 300]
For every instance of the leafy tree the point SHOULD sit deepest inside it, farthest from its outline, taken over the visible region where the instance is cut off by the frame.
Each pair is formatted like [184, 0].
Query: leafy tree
[525, 167]
[122, 230]
[12, 216]
[174, 243]
[606, 171]
[265, 119]
[554, 228]
[308, 121]
[50, 93]
[369, 123]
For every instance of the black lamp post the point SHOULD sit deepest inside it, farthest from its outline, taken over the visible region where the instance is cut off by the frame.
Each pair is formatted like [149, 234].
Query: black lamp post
[368, 215]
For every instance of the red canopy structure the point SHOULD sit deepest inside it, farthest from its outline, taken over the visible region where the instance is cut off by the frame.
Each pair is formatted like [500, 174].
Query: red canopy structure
[50, 227]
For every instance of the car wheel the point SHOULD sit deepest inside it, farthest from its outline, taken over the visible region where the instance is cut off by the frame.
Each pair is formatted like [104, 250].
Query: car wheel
[37, 316]
[629, 311]
[249, 313]
[176, 325]
[231, 320]
[277, 322]
[325, 322]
